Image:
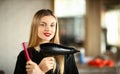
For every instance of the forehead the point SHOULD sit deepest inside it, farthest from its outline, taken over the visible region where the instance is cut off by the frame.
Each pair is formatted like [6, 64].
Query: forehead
[48, 19]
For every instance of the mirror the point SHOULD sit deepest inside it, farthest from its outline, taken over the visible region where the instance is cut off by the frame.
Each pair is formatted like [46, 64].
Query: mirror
[71, 19]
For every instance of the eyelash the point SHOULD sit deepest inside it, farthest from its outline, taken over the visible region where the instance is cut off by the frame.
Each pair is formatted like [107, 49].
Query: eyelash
[42, 24]
[52, 25]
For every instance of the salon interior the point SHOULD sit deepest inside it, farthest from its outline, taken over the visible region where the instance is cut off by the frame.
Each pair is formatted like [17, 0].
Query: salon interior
[90, 26]
[93, 27]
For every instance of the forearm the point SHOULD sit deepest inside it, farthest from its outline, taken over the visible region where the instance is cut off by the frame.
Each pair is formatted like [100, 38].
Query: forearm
[39, 72]
[33, 68]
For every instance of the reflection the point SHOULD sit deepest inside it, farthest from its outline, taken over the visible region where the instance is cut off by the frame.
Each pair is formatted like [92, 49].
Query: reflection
[65, 8]
[111, 21]
[71, 19]
[63, 37]
[112, 32]
[72, 30]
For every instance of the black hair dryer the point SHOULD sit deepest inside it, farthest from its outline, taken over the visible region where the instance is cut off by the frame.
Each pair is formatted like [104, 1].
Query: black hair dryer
[56, 49]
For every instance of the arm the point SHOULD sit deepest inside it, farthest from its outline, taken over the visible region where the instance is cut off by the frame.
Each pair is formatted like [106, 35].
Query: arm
[26, 68]
[45, 65]
[33, 68]
[20, 64]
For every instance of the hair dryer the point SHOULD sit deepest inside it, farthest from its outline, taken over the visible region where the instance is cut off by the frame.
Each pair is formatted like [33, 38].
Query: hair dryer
[56, 49]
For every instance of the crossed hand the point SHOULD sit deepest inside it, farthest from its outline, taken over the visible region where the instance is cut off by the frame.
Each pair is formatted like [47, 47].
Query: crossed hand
[45, 65]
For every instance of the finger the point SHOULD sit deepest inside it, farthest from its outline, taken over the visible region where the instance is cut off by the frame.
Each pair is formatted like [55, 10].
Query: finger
[28, 62]
[29, 66]
[52, 58]
[29, 70]
[51, 67]
[52, 61]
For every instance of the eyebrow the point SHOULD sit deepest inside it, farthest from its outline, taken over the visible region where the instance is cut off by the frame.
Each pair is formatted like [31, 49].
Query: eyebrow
[46, 23]
[43, 22]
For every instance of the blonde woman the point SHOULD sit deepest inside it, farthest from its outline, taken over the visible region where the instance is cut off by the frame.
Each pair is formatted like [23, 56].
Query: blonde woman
[44, 29]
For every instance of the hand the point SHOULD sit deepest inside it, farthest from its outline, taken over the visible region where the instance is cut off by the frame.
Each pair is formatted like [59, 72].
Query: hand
[33, 68]
[47, 64]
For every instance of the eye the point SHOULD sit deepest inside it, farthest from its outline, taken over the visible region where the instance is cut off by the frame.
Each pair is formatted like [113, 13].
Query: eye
[52, 25]
[42, 24]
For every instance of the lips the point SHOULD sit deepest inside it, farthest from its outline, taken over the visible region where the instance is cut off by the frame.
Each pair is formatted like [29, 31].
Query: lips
[47, 34]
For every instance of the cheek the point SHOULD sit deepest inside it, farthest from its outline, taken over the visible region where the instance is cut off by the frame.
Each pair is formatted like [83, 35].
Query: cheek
[40, 31]
[54, 31]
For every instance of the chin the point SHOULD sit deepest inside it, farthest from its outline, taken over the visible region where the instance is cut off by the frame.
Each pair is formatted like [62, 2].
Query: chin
[47, 39]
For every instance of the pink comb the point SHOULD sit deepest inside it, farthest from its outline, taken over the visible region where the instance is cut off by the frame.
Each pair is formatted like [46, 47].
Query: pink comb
[25, 51]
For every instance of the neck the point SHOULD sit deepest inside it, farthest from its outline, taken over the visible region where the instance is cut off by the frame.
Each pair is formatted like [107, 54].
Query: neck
[37, 47]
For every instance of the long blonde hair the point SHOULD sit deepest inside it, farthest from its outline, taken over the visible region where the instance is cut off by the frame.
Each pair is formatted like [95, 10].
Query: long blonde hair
[34, 40]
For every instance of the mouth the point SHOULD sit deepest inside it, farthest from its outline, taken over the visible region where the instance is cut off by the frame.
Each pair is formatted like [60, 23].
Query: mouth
[47, 34]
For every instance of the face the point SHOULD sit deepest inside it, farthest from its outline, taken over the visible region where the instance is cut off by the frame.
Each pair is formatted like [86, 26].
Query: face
[47, 28]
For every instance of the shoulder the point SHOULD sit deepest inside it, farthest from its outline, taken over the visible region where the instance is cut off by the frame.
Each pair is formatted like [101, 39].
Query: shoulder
[22, 53]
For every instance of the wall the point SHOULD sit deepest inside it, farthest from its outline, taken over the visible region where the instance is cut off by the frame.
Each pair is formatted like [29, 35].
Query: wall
[15, 20]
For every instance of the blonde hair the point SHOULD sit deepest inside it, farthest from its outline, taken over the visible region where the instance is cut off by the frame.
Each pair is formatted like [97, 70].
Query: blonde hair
[34, 40]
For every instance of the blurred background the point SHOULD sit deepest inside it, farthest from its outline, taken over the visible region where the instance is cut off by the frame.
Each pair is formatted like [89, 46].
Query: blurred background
[89, 25]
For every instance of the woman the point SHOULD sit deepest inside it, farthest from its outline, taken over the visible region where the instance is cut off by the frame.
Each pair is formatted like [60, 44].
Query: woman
[44, 29]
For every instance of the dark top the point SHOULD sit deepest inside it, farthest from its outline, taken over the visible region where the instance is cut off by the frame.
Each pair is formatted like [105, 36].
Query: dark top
[70, 65]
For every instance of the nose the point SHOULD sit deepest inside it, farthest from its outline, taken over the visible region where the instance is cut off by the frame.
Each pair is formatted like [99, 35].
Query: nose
[47, 28]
